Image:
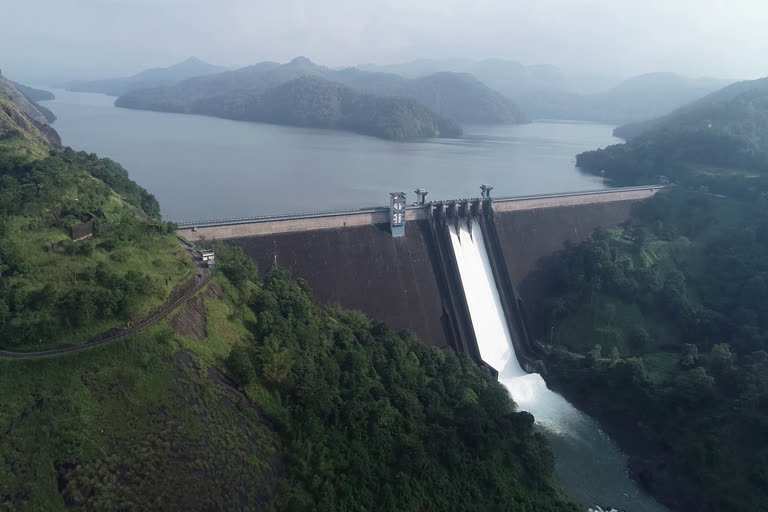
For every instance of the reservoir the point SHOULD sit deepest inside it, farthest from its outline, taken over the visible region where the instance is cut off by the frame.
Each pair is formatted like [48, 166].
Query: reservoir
[208, 168]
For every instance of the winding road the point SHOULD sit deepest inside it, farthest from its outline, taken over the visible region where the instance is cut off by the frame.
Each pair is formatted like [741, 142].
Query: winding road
[202, 277]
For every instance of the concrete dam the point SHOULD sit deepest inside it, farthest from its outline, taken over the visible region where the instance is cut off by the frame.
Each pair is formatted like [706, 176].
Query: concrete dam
[465, 274]
[397, 263]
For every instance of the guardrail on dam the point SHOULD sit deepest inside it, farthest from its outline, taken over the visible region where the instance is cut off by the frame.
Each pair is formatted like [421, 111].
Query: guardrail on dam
[220, 229]
[350, 257]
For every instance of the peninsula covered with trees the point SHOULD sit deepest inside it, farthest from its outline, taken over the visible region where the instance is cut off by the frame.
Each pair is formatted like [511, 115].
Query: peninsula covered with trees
[314, 103]
[306, 94]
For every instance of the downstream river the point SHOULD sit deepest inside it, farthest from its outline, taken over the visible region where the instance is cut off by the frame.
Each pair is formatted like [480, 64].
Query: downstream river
[208, 168]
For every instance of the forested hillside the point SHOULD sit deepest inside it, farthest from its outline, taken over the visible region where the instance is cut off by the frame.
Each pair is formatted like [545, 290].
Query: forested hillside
[338, 413]
[458, 97]
[316, 103]
[669, 310]
[723, 134]
[54, 291]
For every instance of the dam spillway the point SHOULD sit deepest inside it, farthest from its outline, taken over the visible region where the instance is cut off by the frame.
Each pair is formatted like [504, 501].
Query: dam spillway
[588, 463]
[489, 322]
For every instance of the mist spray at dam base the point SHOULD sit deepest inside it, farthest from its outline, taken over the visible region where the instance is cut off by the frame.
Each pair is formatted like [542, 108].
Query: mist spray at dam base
[587, 463]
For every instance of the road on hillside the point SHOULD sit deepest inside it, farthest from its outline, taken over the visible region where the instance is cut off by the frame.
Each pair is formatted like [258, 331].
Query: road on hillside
[202, 276]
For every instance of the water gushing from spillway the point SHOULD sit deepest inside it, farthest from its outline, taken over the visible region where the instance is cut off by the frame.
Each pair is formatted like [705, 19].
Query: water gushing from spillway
[587, 463]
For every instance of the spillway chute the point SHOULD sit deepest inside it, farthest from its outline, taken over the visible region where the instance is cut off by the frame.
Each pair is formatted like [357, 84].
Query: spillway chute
[587, 462]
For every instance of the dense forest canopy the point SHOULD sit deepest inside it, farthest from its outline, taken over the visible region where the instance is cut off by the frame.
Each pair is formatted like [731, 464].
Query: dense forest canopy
[669, 308]
[723, 135]
[373, 419]
[338, 412]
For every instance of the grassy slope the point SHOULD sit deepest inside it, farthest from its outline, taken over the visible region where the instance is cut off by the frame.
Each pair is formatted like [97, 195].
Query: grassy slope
[138, 425]
[157, 258]
[45, 271]
[18, 134]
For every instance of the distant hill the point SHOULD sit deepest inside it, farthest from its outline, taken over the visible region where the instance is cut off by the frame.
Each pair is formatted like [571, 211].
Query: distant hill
[462, 97]
[8, 89]
[459, 97]
[23, 122]
[36, 95]
[509, 77]
[33, 94]
[313, 102]
[546, 92]
[638, 98]
[156, 77]
[723, 134]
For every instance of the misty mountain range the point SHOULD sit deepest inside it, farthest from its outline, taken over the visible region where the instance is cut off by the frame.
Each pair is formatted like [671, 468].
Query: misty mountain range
[457, 96]
[545, 92]
[155, 77]
[471, 92]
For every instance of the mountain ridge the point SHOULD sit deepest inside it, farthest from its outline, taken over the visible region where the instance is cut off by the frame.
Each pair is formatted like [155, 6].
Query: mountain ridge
[153, 77]
[455, 96]
[723, 134]
[310, 101]
[635, 99]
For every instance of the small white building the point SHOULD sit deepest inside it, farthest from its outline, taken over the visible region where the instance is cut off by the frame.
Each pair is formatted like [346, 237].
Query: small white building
[208, 257]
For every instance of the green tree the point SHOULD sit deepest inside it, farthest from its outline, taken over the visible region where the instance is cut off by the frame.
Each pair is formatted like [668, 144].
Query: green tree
[689, 357]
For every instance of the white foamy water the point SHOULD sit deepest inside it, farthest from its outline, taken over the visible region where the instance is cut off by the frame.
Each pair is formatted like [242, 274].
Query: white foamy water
[587, 463]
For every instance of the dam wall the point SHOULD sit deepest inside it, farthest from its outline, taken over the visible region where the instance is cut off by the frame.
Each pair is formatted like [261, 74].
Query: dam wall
[223, 229]
[393, 280]
[412, 282]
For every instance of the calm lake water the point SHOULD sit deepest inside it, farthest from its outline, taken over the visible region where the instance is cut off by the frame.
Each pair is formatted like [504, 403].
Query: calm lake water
[207, 168]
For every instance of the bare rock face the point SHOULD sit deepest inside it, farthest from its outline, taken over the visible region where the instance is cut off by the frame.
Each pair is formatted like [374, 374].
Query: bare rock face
[27, 114]
[8, 89]
[52, 135]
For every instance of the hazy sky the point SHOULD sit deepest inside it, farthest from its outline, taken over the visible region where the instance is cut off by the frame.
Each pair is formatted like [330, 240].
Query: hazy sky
[46, 39]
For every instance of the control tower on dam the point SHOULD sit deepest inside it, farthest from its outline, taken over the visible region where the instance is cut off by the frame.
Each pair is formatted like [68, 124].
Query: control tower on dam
[395, 262]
